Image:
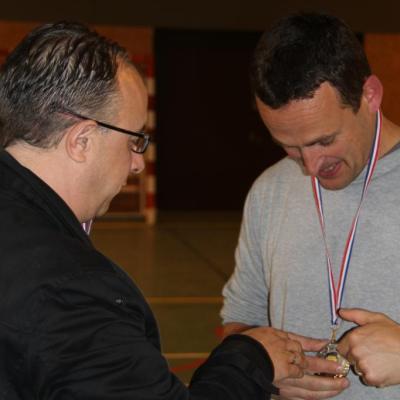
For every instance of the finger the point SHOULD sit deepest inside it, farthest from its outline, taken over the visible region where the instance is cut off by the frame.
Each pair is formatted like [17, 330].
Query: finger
[296, 365]
[360, 316]
[320, 365]
[294, 346]
[297, 358]
[294, 393]
[280, 333]
[316, 383]
[295, 371]
[308, 343]
[292, 366]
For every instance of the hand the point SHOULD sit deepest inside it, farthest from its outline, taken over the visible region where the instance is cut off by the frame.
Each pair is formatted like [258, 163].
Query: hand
[286, 353]
[373, 348]
[312, 386]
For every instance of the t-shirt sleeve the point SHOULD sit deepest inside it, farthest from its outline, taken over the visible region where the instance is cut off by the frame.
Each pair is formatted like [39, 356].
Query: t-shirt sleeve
[246, 292]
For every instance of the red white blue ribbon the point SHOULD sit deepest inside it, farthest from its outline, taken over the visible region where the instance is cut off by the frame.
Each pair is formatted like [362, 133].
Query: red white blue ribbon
[336, 291]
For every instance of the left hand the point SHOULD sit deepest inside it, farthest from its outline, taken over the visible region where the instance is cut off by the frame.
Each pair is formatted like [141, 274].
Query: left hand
[373, 348]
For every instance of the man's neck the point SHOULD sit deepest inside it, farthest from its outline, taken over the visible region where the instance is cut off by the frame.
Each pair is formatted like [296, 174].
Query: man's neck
[53, 169]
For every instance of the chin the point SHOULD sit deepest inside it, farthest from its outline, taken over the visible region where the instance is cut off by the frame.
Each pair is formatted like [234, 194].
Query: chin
[103, 209]
[333, 184]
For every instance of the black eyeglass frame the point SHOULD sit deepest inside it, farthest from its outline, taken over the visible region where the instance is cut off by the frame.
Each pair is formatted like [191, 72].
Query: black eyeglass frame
[145, 136]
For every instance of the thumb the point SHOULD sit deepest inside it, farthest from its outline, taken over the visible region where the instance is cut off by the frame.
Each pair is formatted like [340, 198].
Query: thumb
[360, 316]
[308, 343]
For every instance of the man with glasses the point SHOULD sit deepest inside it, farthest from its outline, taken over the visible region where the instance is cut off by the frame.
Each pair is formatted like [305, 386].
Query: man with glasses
[72, 323]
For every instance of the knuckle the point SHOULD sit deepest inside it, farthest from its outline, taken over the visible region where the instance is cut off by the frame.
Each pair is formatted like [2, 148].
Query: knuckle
[369, 378]
[354, 337]
[298, 346]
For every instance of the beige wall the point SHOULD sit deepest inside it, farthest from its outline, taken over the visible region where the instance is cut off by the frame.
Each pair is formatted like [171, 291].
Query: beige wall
[383, 51]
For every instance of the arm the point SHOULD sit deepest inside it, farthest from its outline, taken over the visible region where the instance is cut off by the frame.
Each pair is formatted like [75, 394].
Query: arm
[285, 354]
[246, 302]
[97, 339]
[246, 292]
[373, 348]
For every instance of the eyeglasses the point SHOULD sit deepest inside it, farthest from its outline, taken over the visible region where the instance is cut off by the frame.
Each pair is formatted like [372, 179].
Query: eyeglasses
[138, 146]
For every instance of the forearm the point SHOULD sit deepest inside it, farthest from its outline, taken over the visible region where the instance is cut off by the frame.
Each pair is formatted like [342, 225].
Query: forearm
[238, 368]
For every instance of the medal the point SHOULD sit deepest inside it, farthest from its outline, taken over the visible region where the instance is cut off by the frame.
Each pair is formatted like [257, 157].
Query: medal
[329, 352]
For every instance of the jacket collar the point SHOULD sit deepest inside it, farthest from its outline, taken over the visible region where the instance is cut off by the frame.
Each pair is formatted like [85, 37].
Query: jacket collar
[16, 178]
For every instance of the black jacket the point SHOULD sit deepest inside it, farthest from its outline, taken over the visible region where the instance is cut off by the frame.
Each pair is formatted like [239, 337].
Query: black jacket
[74, 326]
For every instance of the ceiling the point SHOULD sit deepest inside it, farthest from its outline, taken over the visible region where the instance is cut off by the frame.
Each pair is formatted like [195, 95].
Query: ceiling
[362, 16]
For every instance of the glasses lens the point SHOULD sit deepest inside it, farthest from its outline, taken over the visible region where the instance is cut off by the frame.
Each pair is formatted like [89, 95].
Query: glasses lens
[139, 145]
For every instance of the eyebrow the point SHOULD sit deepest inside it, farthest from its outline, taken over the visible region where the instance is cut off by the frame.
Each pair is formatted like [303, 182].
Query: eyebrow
[311, 143]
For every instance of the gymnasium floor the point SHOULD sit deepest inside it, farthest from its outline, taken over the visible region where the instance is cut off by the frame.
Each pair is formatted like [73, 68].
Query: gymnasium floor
[180, 264]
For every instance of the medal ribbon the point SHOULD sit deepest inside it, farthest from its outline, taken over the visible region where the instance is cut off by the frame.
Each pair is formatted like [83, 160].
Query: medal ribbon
[336, 292]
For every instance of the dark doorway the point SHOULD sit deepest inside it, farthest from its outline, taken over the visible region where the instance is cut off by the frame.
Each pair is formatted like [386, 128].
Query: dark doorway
[211, 143]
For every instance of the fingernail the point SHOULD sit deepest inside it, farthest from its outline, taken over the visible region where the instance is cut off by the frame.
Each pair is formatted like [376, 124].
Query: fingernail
[345, 383]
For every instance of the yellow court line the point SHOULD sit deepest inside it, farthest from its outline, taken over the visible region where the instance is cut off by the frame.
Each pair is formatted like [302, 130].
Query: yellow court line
[185, 300]
[184, 356]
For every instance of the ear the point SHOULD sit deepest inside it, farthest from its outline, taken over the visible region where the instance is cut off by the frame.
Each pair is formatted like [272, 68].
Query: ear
[78, 140]
[373, 93]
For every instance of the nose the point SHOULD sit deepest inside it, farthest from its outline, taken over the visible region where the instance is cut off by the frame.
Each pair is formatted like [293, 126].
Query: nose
[137, 163]
[311, 160]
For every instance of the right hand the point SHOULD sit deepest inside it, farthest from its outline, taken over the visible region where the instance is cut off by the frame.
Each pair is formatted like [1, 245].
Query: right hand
[284, 349]
[311, 386]
[373, 347]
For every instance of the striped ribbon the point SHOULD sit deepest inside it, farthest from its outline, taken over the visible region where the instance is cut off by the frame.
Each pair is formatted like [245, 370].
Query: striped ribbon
[336, 292]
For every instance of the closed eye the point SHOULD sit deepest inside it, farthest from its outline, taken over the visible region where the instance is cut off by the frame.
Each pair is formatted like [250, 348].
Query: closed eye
[326, 142]
[323, 141]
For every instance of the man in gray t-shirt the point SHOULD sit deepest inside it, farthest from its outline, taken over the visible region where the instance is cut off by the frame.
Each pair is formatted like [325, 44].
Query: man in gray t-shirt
[313, 238]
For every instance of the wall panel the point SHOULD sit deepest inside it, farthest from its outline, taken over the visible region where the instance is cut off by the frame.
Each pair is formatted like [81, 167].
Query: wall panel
[383, 51]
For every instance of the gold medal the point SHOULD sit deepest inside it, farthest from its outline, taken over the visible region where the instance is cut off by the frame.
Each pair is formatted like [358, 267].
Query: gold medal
[329, 352]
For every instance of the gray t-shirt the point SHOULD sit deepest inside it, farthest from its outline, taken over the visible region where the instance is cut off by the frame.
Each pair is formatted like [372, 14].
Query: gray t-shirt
[280, 277]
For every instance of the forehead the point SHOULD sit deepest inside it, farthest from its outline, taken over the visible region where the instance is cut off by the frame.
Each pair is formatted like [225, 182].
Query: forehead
[319, 115]
[132, 94]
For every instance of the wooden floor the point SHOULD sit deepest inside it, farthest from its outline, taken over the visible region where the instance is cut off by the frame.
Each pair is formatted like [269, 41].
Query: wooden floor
[180, 264]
